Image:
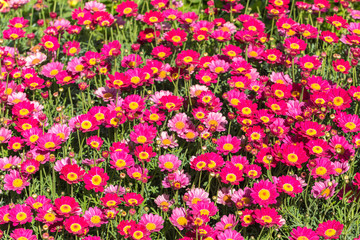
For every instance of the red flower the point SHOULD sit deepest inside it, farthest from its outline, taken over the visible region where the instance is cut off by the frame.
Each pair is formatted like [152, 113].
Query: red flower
[13, 33]
[127, 9]
[15, 144]
[272, 56]
[153, 17]
[176, 36]
[144, 153]
[132, 199]
[110, 200]
[340, 65]
[50, 43]
[96, 179]
[49, 142]
[171, 103]
[66, 206]
[76, 225]
[72, 173]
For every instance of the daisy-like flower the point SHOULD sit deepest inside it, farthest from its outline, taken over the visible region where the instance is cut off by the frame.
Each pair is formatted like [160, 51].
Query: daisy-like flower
[255, 134]
[7, 163]
[76, 225]
[152, 222]
[303, 233]
[66, 206]
[94, 6]
[138, 173]
[38, 202]
[341, 148]
[167, 141]
[163, 202]
[242, 198]
[341, 168]
[15, 182]
[264, 193]
[49, 142]
[76, 66]
[132, 199]
[228, 144]
[219, 66]
[110, 200]
[52, 69]
[125, 226]
[318, 147]
[47, 215]
[50, 43]
[35, 59]
[138, 232]
[348, 122]
[131, 61]
[187, 57]
[121, 160]
[267, 217]
[4, 214]
[226, 222]
[272, 56]
[134, 103]
[61, 130]
[196, 195]
[205, 208]
[72, 173]
[94, 142]
[20, 214]
[153, 17]
[179, 218]
[289, 185]
[86, 123]
[169, 162]
[176, 180]
[22, 233]
[253, 171]
[309, 63]
[321, 167]
[15, 144]
[161, 52]
[179, 123]
[30, 166]
[13, 33]
[94, 217]
[310, 130]
[342, 66]
[330, 229]
[231, 174]
[324, 189]
[247, 218]
[171, 103]
[144, 153]
[215, 122]
[96, 179]
[339, 98]
[5, 135]
[293, 155]
[143, 133]
[127, 9]
[229, 234]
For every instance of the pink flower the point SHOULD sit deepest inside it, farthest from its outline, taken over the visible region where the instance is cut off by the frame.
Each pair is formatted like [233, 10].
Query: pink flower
[15, 182]
[330, 229]
[20, 214]
[228, 144]
[169, 162]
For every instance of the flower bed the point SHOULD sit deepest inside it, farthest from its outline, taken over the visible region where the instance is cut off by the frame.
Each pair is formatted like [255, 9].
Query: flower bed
[193, 120]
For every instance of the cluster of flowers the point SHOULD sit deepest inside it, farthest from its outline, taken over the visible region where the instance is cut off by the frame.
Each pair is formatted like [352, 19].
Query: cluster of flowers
[213, 125]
